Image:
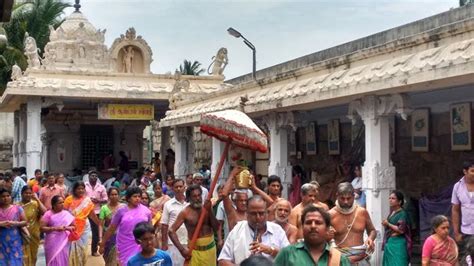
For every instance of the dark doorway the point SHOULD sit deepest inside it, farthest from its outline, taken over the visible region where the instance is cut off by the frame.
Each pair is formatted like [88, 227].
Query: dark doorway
[97, 141]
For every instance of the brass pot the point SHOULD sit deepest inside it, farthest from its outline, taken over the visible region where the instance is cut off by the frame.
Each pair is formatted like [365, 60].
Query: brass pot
[243, 180]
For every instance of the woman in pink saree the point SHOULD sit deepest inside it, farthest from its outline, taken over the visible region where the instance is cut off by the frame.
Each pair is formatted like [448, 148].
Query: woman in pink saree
[440, 249]
[57, 224]
[124, 222]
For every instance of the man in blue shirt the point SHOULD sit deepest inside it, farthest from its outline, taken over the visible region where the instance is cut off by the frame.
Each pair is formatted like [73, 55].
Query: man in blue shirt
[18, 184]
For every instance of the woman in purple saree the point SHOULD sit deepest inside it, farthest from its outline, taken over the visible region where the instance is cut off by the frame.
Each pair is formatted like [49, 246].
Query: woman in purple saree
[124, 222]
[57, 223]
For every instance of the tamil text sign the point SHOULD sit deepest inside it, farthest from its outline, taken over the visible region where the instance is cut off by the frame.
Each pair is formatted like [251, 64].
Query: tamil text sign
[126, 111]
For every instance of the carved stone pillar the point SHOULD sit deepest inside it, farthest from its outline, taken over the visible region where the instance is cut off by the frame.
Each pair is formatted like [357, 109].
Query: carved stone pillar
[217, 150]
[378, 172]
[16, 138]
[182, 135]
[279, 125]
[46, 141]
[22, 137]
[33, 136]
[164, 145]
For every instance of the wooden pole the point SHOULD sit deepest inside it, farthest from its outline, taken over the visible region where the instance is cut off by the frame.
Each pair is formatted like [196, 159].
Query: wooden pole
[192, 244]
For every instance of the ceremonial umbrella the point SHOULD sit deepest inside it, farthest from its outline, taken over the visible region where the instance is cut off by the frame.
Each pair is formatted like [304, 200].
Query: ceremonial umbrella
[232, 127]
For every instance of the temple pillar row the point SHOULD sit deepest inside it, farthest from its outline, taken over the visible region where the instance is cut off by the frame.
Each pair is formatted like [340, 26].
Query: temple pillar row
[16, 138]
[33, 136]
[183, 164]
[217, 150]
[22, 136]
[378, 172]
[279, 126]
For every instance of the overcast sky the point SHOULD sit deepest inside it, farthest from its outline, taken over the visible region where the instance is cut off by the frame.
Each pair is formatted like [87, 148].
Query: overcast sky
[281, 30]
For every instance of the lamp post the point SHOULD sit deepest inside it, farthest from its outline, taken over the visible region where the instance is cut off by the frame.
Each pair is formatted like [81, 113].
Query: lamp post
[237, 34]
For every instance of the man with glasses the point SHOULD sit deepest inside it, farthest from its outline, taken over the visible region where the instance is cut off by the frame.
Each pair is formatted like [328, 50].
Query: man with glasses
[254, 236]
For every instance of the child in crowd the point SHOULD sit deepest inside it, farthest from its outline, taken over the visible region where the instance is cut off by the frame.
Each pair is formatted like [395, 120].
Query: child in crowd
[144, 234]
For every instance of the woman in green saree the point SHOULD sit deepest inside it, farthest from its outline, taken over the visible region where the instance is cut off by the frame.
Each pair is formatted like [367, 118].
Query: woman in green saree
[397, 239]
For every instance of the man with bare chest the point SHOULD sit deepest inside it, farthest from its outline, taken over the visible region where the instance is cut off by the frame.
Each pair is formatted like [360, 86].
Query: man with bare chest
[274, 191]
[239, 198]
[204, 252]
[309, 196]
[350, 221]
[281, 214]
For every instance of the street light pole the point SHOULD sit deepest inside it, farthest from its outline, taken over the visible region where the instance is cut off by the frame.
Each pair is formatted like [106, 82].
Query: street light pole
[237, 34]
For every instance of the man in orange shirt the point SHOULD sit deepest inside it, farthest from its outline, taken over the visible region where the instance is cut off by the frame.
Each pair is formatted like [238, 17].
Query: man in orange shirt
[49, 191]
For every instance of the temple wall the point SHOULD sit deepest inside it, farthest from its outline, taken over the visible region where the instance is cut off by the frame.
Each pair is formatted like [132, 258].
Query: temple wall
[6, 141]
[417, 173]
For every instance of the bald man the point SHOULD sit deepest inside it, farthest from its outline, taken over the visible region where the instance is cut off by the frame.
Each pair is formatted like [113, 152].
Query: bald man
[281, 214]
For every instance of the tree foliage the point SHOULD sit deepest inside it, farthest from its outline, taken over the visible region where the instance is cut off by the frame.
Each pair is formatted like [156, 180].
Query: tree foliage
[34, 17]
[191, 68]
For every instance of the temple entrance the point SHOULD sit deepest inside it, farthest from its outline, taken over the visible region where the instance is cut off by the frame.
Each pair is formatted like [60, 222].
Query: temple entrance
[97, 141]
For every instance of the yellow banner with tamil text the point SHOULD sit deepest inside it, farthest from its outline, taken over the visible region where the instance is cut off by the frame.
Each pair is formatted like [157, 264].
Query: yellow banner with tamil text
[126, 111]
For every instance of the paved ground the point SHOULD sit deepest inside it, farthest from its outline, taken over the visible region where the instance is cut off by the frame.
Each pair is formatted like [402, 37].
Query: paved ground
[91, 261]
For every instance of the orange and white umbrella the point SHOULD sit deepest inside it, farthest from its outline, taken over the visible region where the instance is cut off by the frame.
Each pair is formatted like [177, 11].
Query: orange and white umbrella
[236, 127]
[232, 127]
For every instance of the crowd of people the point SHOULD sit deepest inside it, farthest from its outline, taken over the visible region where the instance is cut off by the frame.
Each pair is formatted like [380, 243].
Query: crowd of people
[144, 221]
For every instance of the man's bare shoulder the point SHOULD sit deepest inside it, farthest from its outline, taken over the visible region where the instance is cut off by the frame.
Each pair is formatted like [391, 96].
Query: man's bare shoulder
[292, 228]
[297, 208]
[333, 211]
[322, 205]
[363, 211]
[188, 210]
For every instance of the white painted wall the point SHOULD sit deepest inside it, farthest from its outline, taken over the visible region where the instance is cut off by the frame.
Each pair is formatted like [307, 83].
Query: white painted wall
[6, 127]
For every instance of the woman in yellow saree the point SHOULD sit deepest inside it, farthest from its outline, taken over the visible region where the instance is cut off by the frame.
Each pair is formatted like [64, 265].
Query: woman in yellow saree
[34, 209]
[81, 207]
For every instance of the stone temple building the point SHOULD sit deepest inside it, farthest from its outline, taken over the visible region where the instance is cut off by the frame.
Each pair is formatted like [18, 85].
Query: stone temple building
[399, 102]
[83, 100]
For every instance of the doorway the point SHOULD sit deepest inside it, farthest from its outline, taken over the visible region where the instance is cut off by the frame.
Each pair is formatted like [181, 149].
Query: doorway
[97, 141]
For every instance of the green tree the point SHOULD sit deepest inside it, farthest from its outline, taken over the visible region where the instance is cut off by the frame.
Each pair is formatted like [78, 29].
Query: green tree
[34, 17]
[465, 2]
[191, 68]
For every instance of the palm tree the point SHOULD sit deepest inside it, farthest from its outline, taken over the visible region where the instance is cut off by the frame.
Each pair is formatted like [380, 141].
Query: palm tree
[188, 68]
[34, 17]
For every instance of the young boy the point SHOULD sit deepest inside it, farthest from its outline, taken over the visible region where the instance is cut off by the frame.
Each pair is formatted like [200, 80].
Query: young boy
[144, 234]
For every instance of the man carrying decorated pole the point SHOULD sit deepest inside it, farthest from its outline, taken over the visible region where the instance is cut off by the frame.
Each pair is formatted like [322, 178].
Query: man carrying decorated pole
[204, 252]
[239, 197]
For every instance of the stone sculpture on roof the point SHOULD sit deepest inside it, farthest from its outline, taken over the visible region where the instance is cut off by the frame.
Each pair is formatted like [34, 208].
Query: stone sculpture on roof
[180, 86]
[76, 45]
[130, 54]
[31, 52]
[219, 63]
[16, 72]
[128, 59]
